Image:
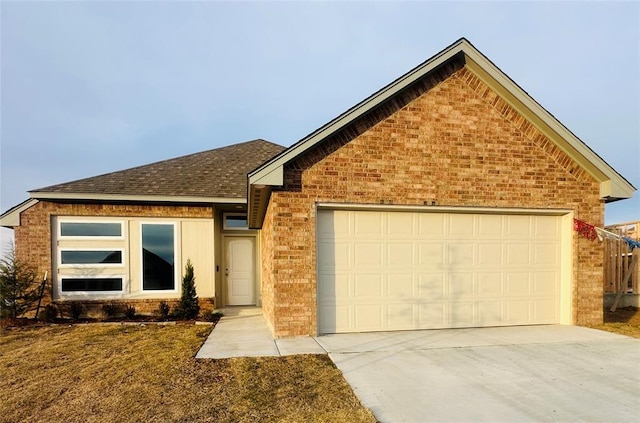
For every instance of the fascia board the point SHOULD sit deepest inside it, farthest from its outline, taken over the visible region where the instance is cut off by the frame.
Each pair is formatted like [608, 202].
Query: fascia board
[134, 198]
[357, 110]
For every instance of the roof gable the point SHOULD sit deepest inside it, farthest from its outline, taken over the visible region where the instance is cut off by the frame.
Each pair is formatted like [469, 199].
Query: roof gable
[461, 53]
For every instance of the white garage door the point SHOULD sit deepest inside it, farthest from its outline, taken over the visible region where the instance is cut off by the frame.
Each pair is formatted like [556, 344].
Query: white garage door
[405, 270]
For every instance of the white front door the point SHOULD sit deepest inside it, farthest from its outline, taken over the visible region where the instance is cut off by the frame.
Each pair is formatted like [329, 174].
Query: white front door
[240, 270]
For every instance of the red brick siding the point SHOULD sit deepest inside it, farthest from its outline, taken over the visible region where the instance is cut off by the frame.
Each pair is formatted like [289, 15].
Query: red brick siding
[33, 236]
[459, 144]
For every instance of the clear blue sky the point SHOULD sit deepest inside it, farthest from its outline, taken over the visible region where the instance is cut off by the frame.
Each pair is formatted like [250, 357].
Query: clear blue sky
[93, 87]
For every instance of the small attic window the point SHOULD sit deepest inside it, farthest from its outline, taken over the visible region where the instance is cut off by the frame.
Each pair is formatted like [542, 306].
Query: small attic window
[235, 221]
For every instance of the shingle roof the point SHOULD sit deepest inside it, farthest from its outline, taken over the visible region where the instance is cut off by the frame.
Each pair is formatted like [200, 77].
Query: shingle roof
[218, 173]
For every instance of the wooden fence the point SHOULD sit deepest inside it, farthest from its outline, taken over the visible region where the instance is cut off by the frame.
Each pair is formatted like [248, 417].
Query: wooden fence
[621, 269]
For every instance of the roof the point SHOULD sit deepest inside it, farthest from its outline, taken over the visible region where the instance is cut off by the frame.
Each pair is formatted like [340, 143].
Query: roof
[271, 173]
[212, 175]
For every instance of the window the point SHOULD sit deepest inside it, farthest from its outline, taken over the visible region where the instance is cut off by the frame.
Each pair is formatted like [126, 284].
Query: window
[158, 256]
[84, 284]
[235, 221]
[95, 257]
[90, 229]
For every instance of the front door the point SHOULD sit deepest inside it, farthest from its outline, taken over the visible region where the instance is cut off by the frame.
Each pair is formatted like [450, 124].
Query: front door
[240, 270]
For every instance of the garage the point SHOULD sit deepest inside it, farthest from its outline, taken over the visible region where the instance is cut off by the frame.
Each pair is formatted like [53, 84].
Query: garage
[381, 270]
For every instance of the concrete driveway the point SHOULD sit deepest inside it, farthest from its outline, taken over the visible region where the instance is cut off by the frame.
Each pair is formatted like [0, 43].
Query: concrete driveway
[512, 374]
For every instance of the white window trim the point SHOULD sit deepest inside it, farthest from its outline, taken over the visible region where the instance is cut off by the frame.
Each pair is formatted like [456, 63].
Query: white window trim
[61, 237]
[227, 228]
[176, 263]
[90, 265]
[88, 294]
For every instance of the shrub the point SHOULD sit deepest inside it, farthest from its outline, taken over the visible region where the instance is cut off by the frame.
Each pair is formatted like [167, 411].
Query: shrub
[76, 309]
[130, 312]
[49, 313]
[188, 307]
[163, 310]
[211, 316]
[111, 310]
[18, 284]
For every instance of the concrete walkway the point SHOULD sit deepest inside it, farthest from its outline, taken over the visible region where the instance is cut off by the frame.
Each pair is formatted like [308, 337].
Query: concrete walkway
[243, 332]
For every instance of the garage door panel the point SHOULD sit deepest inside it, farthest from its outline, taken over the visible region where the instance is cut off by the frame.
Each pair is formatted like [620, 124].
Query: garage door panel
[517, 227]
[431, 255]
[431, 226]
[490, 284]
[402, 270]
[518, 254]
[546, 283]
[431, 285]
[546, 254]
[368, 317]
[368, 286]
[490, 226]
[432, 315]
[460, 284]
[517, 283]
[331, 286]
[461, 314]
[400, 254]
[490, 313]
[368, 224]
[460, 226]
[400, 285]
[460, 255]
[546, 227]
[367, 254]
[490, 255]
[400, 316]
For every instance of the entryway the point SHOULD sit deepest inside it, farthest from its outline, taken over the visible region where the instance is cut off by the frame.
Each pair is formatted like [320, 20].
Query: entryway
[239, 271]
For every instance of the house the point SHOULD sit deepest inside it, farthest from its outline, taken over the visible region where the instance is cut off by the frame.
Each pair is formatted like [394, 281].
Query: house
[446, 199]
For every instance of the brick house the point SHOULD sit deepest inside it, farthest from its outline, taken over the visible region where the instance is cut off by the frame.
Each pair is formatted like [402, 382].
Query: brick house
[446, 199]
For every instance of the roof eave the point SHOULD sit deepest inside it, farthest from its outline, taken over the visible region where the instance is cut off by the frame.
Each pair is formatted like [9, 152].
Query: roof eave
[135, 198]
[11, 218]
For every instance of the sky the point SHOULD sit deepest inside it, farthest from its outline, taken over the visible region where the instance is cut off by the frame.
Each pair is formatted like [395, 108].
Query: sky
[92, 87]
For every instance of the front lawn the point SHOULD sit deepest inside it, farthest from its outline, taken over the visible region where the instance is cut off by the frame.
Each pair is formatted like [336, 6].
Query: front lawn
[147, 373]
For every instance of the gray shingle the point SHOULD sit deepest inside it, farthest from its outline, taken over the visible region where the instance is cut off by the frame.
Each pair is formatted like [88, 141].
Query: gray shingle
[221, 172]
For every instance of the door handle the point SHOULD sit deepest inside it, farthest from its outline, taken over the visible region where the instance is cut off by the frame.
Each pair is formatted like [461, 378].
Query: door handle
[226, 272]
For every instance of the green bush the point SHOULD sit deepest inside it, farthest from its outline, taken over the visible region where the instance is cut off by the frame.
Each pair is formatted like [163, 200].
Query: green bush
[163, 310]
[188, 307]
[111, 310]
[130, 312]
[18, 284]
[76, 309]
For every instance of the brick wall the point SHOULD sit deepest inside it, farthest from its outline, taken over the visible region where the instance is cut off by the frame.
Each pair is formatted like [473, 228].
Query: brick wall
[33, 236]
[458, 144]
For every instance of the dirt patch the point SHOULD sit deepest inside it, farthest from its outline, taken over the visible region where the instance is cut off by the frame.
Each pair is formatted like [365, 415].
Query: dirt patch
[624, 321]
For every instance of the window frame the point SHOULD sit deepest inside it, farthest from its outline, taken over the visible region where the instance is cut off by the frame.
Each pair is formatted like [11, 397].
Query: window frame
[121, 292]
[229, 228]
[61, 237]
[91, 265]
[176, 261]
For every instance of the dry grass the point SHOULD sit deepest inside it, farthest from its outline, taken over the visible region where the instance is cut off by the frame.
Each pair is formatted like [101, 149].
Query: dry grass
[90, 373]
[625, 321]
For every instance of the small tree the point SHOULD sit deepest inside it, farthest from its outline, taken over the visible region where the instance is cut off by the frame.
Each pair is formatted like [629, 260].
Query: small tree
[18, 284]
[188, 308]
